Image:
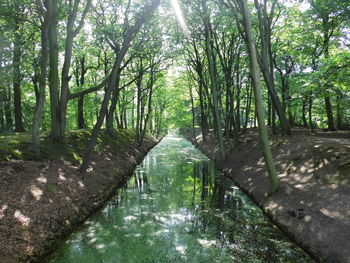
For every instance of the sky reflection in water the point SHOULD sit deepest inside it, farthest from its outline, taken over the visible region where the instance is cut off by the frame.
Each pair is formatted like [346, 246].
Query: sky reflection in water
[178, 208]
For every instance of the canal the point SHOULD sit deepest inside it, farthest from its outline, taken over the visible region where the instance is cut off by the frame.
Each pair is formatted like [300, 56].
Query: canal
[178, 208]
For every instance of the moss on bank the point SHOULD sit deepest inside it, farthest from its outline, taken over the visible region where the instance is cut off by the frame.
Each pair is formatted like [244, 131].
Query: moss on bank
[17, 146]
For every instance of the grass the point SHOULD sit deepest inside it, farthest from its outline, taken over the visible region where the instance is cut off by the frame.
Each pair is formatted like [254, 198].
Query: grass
[17, 146]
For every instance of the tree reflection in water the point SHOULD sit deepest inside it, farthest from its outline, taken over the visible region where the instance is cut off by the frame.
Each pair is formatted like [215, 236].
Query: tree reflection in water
[178, 208]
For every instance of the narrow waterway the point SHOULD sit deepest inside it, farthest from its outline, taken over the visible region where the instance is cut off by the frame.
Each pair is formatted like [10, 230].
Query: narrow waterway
[178, 208]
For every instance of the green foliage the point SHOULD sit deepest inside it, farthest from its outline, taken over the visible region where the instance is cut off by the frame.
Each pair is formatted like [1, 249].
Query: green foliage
[298, 40]
[179, 105]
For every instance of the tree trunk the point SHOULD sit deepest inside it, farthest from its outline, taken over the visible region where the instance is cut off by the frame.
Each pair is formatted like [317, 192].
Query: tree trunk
[81, 120]
[266, 65]
[53, 74]
[7, 108]
[130, 35]
[248, 105]
[330, 120]
[138, 109]
[65, 77]
[303, 113]
[204, 119]
[2, 109]
[310, 114]
[42, 80]
[269, 111]
[193, 113]
[273, 119]
[339, 111]
[149, 111]
[112, 108]
[258, 97]
[238, 103]
[211, 65]
[17, 80]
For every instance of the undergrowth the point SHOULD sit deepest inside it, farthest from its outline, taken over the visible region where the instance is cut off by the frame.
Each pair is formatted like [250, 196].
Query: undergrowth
[17, 146]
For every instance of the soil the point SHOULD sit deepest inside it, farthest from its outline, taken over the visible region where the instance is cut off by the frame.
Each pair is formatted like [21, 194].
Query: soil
[312, 205]
[42, 202]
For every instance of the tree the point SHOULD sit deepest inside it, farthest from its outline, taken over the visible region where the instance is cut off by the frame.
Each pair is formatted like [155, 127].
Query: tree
[45, 12]
[258, 97]
[213, 83]
[129, 36]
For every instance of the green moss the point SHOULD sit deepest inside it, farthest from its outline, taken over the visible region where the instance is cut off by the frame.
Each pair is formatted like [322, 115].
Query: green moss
[17, 146]
[51, 189]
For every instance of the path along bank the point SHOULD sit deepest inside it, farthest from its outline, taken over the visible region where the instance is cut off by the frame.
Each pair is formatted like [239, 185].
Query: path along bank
[312, 206]
[41, 202]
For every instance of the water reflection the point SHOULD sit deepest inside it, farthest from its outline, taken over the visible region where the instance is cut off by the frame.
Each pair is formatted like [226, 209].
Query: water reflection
[178, 208]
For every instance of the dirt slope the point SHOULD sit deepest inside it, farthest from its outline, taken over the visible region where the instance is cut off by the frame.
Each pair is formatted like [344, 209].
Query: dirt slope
[313, 204]
[40, 202]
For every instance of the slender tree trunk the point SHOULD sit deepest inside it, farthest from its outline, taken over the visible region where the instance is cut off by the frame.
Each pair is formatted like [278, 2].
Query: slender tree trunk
[273, 119]
[130, 35]
[193, 113]
[204, 119]
[65, 77]
[112, 108]
[17, 80]
[53, 74]
[289, 104]
[265, 62]
[2, 120]
[329, 111]
[339, 111]
[138, 109]
[248, 104]
[238, 103]
[209, 53]
[81, 120]
[269, 111]
[327, 99]
[38, 114]
[149, 111]
[258, 97]
[7, 108]
[2, 108]
[303, 113]
[310, 114]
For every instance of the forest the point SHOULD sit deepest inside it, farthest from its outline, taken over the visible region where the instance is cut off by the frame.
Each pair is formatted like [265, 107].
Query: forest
[215, 71]
[69, 65]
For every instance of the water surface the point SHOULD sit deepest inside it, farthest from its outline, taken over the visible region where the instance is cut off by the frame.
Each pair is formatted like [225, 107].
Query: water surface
[178, 208]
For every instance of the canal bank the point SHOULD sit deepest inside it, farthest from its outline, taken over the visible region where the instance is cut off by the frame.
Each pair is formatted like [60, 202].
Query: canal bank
[312, 205]
[43, 202]
[178, 208]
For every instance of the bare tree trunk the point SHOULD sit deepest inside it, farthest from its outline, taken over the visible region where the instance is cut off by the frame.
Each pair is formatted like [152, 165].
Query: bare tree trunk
[149, 111]
[193, 113]
[329, 111]
[258, 97]
[339, 111]
[248, 105]
[7, 108]
[209, 53]
[81, 120]
[17, 80]
[65, 77]
[53, 74]
[310, 114]
[130, 35]
[303, 113]
[42, 79]
[112, 108]
[265, 60]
